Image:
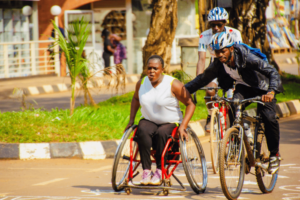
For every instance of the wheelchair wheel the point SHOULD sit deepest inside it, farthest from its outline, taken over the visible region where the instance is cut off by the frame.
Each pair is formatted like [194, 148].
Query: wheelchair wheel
[122, 160]
[193, 161]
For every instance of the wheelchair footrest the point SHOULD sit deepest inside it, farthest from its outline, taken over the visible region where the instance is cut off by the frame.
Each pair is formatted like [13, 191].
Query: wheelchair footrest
[154, 187]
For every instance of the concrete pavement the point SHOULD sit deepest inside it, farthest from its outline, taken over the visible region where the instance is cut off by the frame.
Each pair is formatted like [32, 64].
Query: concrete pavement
[10, 88]
[57, 179]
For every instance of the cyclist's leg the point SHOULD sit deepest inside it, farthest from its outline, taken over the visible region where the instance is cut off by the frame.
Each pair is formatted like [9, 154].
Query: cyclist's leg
[268, 114]
[144, 134]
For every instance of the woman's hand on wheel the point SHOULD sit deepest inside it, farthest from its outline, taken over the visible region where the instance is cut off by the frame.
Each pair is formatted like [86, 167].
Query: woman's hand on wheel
[128, 126]
[181, 132]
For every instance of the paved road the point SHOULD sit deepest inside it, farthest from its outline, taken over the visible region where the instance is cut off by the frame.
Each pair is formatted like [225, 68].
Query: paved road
[61, 100]
[88, 179]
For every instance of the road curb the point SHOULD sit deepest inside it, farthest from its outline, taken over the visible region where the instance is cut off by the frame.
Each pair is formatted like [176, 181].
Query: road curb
[99, 150]
[63, 87]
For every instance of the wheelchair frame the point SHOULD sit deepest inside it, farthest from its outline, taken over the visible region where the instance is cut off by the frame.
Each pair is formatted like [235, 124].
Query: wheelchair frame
[165, 175]
[130, 173]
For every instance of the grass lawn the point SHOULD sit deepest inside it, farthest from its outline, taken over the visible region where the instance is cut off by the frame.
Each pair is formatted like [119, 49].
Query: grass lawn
[88, 123]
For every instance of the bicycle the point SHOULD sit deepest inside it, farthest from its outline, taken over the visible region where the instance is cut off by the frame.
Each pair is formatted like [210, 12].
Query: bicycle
[218, 125]
[234, 165]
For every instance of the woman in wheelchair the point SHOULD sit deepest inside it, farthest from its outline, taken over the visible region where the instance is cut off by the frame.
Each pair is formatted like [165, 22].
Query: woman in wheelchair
[158, 95]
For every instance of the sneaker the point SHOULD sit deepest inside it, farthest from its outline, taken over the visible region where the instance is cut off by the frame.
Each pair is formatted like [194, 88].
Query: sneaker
[207, 125]
[146, 177]
[274, 164]
[156, 179]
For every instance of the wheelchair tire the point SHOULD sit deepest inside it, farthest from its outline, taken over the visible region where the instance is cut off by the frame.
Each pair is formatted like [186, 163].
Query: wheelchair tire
[193, 161]
[122, 160]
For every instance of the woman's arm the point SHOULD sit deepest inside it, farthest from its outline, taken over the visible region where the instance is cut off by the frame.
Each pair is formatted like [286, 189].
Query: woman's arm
[116, 37]
[109, 48]
[135, 105]
[185, 97]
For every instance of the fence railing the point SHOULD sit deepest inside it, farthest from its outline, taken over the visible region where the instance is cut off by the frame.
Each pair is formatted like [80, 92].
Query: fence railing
[19, 59]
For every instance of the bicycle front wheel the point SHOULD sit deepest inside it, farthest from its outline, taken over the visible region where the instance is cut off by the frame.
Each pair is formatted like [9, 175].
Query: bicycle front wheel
[193, 161]
[215, 140]
[232, 170]
[266, 182]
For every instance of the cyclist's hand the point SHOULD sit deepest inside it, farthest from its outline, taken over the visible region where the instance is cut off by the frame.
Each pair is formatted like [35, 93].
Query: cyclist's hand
[181, 132]
[267, 97]
[128, 126]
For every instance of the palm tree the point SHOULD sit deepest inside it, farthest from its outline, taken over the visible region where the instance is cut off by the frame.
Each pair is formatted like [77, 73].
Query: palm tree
[73, 49]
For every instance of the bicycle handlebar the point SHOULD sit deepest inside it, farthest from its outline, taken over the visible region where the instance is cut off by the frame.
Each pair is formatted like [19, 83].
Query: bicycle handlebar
[210, 88]
[236, 101]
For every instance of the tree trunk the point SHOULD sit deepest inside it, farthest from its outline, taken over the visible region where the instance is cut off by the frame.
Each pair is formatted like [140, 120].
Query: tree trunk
[248, 16]
[162, 31]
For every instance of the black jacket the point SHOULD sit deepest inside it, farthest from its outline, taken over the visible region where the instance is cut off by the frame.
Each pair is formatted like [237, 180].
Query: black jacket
[253, 70]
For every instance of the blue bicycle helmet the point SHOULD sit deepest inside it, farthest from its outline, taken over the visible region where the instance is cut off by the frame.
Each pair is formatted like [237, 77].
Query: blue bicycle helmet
[221, 40]
[217, 14]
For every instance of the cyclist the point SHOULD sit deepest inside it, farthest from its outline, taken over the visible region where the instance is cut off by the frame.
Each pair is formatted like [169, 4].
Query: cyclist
[253, 77]
[217, 21]
[159, 96]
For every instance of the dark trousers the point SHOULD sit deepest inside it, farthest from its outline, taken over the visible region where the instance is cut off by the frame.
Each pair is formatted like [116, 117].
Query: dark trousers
[152, 135]
[106, 58]
[267, 112]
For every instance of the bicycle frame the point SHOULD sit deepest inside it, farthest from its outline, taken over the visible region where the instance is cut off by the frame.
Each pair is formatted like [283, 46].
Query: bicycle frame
[238, 123]
[224, 110]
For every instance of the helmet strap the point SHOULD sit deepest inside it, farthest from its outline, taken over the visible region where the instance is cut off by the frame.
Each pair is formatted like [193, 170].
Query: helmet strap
[229, 58]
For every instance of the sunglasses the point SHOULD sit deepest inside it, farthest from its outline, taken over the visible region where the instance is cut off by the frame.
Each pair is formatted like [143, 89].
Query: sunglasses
[219, 25]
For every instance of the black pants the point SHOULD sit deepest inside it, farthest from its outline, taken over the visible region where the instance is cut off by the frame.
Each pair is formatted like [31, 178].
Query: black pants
[106, 58]
[267, 112]
[152, 135]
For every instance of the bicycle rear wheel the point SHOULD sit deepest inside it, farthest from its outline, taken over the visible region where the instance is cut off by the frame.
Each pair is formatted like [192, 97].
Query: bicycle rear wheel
[122, 160]
[215, 140]
[193, 161]
[266, 182]
[232, 170]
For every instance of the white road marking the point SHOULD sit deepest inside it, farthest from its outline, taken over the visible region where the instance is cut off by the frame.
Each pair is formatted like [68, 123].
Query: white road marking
[286, 165]
[225, 197]
[295, 188]
[48, 182]
[43, 168]
[290, 196]
[100, 169]
[169, 197]
[250, 183]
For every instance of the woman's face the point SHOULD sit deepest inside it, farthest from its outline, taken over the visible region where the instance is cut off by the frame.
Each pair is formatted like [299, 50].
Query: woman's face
[154, 70]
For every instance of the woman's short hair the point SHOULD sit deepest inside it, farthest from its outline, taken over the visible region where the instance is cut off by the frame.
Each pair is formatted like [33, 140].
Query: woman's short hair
[157, 57]
[105, 33]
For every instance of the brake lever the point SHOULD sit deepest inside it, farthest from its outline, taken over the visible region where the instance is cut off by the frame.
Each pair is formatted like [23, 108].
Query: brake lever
[259, 102]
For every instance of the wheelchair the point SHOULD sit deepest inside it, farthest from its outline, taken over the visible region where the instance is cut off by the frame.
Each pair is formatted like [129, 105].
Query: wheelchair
[190, 155]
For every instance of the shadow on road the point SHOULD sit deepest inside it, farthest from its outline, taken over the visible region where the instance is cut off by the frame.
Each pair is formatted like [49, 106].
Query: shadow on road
[290, 132]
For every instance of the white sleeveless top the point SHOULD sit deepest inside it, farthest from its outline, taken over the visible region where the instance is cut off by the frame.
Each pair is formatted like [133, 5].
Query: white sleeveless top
[158, 104]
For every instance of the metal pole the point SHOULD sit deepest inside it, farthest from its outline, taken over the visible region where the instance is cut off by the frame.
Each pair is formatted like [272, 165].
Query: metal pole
[56, 50]
[129, 36]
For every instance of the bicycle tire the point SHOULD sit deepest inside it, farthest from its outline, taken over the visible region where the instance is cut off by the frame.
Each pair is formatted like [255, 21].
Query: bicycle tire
[193, 161]
[266, 182]
[231, 142]
[122, 160]
[215, 140]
